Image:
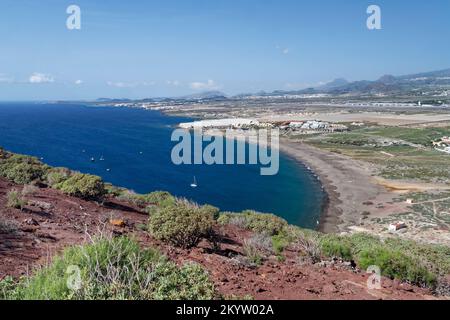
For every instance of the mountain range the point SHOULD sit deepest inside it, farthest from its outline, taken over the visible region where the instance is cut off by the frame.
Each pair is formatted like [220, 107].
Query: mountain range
[386, 84]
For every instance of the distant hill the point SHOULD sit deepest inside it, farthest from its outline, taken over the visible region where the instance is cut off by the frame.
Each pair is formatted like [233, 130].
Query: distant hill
[208, 95]
[386, 84]
[390, 83]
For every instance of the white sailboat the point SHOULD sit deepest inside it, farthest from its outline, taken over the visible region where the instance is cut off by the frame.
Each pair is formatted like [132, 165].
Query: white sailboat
[194, 184]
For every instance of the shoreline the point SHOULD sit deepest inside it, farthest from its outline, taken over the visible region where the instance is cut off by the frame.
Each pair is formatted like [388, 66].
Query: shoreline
[330, 212]
[329, 219]
[348, 185]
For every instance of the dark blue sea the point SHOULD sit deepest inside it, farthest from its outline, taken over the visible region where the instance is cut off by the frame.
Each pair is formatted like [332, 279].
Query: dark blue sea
[136, 147]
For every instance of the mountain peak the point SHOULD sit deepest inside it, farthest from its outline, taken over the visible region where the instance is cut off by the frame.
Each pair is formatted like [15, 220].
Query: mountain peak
[387, 78]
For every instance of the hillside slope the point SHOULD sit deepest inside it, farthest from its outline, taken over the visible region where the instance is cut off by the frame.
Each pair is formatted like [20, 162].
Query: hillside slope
[54, 221]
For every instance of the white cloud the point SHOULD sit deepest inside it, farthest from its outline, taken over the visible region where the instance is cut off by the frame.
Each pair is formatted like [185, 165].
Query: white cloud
[121, 84]
[209, 85]
[37, 77]
[174, 83]
[78, 82]
[282, 49]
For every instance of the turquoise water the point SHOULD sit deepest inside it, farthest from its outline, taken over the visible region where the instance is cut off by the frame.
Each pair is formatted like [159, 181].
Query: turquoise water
[136, 147]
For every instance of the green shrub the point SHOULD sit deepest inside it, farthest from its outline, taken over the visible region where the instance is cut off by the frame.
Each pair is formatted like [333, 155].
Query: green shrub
[395, 264]
[22, 169]
[253, 255]
[8, 288]
[400, 259]
[210, 211]
[259, 222]
[113, 269]
[279, 243]
[83, 186]
[57, 175]
[435, 257]
[182, 224]
[114, 191]
[159, 198]
[336, 246]
[257, 248]
[15, 200]
[189, 282]
[131, 197]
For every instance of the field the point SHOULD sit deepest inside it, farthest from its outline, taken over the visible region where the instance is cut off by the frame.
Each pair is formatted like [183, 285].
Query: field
[403, 161]
[397, 152]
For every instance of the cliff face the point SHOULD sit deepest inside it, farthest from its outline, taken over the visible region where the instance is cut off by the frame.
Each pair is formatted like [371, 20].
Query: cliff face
[51, 221]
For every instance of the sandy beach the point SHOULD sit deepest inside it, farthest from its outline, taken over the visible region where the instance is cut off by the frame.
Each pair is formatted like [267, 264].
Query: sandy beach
[348, 183]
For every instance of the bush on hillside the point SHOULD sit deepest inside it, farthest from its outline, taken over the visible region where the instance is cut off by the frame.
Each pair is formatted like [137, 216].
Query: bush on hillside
[22, 169]
[83, 186]
[258, 222]
[7, 288]
[336, 247]
[15, 200]
[157, 198]
[406, 263]
[182, 224]
[112, 269]
[396, 264]
[57, 175]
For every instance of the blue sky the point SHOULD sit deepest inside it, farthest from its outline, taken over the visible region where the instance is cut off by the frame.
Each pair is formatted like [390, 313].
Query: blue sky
[137, 49]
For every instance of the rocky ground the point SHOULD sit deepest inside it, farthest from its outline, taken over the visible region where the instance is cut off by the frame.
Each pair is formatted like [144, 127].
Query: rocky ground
[52, 221]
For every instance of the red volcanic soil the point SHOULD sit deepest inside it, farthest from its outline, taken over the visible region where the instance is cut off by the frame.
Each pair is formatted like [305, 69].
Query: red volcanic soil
[43, 231]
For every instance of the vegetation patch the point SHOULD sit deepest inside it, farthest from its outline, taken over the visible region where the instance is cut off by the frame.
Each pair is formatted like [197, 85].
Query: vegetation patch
[22, 169]
[182, 224]
[14, 199]
[83, 186]
[258, 222]
[56, 176]
[114, 269]
[156, 198]
[405, 260]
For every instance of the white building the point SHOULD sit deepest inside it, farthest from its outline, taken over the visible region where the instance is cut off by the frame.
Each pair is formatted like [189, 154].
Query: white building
[220, 123]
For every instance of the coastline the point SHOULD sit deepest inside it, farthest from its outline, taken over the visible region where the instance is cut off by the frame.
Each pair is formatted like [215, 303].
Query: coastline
[331, 218]
[330, 214]
[348, 185]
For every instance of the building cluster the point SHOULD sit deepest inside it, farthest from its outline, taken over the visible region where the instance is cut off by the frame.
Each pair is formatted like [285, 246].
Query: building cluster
[307, 126]
[311, 126]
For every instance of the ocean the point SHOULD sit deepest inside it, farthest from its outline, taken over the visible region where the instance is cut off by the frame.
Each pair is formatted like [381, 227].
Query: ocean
[136, 148]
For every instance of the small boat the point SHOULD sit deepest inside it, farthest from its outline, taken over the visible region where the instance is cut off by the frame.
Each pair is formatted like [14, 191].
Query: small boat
[194, 184]
[102, 159]
[108, 170]
[92, 159]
